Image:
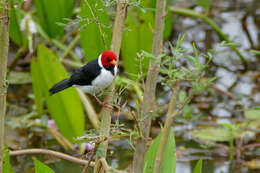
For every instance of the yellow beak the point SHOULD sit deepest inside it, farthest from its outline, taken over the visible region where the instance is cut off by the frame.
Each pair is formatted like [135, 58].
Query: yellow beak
[113, 62]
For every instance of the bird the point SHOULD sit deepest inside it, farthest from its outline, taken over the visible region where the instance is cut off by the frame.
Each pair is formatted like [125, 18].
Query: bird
[93, 77]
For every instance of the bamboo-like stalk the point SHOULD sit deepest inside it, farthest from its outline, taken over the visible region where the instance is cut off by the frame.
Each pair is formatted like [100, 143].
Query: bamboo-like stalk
[166, 130]
[210, 22]
[150, 86]
[115, 46]
[4, 42]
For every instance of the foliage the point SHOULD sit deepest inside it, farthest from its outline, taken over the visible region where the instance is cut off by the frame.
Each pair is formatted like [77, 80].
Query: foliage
[74, 33]
[169, 159]
[198, 167]
[41, 168]
[65, 108]
[96, 32]
[6, 162]
[52, 12]
[15, 19]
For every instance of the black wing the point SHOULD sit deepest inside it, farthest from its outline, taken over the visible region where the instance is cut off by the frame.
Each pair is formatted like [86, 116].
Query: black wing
[86, 74]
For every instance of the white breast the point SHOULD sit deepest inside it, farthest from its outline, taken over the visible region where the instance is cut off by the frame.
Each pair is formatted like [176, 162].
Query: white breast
[101, 82]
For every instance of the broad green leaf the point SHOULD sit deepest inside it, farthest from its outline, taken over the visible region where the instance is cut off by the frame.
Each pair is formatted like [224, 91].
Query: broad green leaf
[65, 107]
[51, 12]
[204, 3]
[215, 134]
[16, 34]
[93, 34]
[137, 37]
[41, 168]
[6, 162]
[252, 114]
[222, 133]
[198, 167]
[169, 159]
[37, 86]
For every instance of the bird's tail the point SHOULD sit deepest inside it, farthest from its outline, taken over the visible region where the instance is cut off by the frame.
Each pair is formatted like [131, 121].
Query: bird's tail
[60, 86]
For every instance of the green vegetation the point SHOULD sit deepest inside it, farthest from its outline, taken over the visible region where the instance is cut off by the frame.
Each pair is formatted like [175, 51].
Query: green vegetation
[187, 91]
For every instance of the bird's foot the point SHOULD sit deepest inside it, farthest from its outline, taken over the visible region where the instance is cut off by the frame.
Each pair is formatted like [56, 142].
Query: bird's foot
[105, 105]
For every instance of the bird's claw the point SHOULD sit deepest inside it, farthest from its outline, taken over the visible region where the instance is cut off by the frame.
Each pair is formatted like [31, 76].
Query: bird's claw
[105, 105]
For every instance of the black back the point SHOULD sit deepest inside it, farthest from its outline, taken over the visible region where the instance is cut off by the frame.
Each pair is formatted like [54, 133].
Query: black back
[86, 74]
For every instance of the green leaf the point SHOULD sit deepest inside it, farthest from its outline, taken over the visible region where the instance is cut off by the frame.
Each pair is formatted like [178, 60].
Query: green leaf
[65, 107]
[51, 12]
[198, 167]
[252, 114]
[37, 86]
[16, 34]
[169, 159]
[41, 168]
[137, 37]
[204, 3]
[215, 134]
[182, 96]
[6, 162]
[91, 38]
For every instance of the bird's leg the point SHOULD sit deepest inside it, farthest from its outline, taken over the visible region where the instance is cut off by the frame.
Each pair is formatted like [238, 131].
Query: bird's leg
[105, 105]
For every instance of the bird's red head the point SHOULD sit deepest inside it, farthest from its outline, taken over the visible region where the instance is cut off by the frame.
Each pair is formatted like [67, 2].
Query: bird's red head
[108, 58]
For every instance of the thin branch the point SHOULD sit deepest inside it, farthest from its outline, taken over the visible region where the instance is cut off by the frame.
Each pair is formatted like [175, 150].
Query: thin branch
[70, 47]
[107, 168]
[118, 30]
[4, 42]
[17, 56]
[61, 139]
[52, 153]
[95, 17]
[148, 106]
[90, 158]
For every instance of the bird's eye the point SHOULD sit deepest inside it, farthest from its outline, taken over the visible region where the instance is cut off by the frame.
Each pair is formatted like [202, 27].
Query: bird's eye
[107, 59]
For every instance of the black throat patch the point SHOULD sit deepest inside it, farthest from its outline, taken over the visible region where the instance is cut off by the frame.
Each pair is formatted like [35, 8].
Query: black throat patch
[111, 69]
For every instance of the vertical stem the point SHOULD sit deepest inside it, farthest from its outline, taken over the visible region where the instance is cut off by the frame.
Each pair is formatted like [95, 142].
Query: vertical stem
[166, 130]
[115, 47]
[4, 42]
[150, 86]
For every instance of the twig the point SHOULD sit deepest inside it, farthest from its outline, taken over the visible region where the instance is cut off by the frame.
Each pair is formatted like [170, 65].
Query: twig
[250, 146]
[19, 53]
[4, 42]
[227, 93]
[61, 139]
[108, 168]
[70, 47]
[52, 153]
[91, 157]
[150, 86]
[137, 122]
[95, 17]
[72, 64]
